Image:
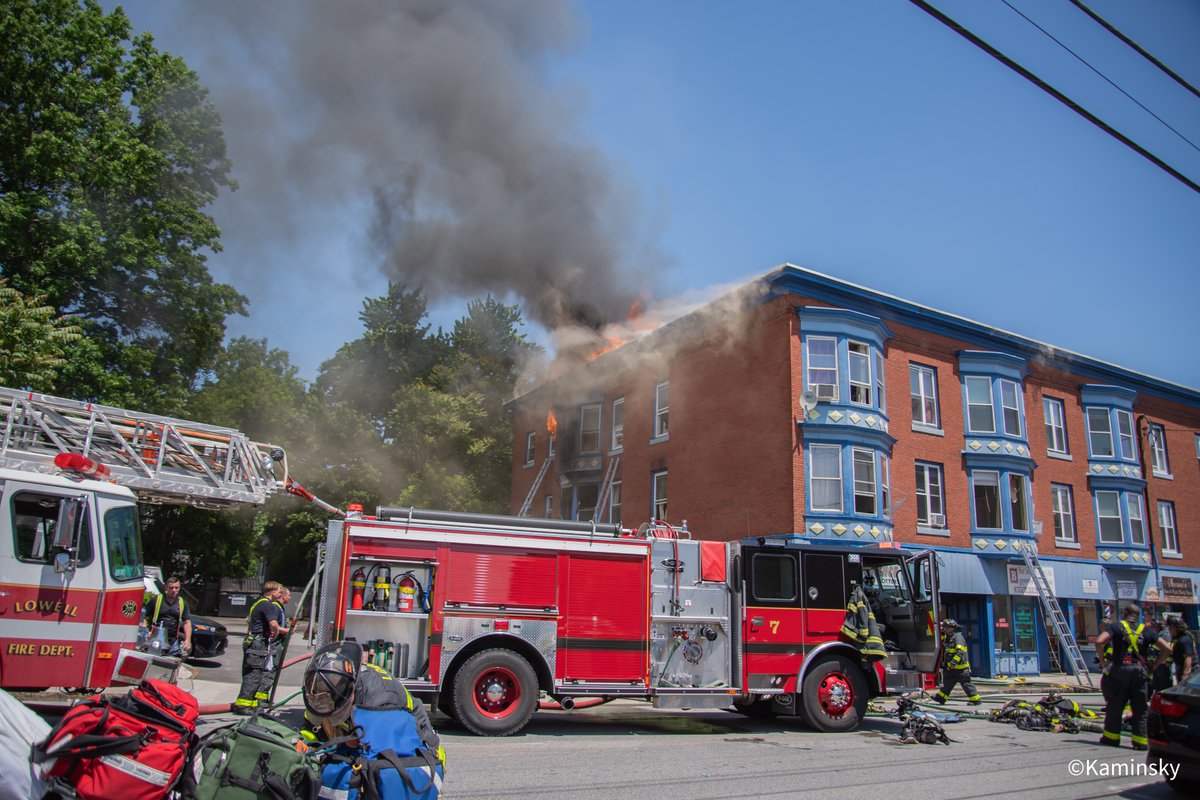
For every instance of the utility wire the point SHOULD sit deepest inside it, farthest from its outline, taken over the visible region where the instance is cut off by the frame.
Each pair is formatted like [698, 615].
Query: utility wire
[1084, 61]
[1109, 27]
[1055, 93]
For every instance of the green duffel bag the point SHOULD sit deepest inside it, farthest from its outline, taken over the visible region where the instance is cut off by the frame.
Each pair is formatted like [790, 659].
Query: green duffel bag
[253, 758]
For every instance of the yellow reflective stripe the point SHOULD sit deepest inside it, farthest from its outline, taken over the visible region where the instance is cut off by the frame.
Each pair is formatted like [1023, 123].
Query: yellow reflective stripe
[1139, 739]
[1113, 736]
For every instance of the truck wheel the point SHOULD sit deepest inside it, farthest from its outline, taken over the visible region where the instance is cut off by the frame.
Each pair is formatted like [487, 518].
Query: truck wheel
[834, 695]
[495, 693]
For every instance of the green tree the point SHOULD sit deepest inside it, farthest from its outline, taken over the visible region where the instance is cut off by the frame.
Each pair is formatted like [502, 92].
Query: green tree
[110, 150]
[33, 340]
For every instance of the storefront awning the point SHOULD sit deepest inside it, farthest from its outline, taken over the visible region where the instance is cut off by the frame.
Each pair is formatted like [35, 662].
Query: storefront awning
[967, 573]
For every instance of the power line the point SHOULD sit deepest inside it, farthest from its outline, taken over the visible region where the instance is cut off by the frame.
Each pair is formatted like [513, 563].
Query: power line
[1084, 61]
[1111, 29]
[1055, 93]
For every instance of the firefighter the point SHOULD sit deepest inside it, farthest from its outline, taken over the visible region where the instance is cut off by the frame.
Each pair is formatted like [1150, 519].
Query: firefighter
[1128, 673]
[260, 650]
[1183, 649]
[955, 666]
[171, 611]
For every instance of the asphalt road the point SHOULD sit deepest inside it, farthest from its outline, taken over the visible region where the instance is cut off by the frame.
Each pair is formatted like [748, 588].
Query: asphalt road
[629, 749]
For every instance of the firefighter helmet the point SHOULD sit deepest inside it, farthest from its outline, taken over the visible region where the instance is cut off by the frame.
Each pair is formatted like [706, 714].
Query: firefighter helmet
[949, 623]
[329, 682]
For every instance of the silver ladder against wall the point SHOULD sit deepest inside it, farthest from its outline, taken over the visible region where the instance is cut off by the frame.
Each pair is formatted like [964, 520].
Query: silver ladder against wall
[1056, 623]
[606, 487]
[537, 483]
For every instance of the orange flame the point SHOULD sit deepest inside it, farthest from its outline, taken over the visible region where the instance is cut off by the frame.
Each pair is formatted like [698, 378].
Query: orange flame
[551, 424]
[612, 342]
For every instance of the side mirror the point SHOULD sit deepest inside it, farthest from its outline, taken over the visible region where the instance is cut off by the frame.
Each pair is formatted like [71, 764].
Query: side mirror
[63, 563]
[70, 519]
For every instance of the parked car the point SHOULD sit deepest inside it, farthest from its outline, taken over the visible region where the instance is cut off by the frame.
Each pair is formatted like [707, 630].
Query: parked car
[1174, 727]
[209, 637]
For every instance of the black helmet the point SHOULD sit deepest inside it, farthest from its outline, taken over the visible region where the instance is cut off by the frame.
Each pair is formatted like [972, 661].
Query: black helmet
[329, 682]
[949, 623]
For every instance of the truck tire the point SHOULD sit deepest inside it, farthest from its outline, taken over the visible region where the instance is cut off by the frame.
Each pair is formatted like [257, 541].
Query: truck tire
[834, 695]
[495, 693]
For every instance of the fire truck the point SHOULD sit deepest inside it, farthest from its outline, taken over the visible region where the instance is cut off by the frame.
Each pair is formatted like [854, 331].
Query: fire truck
[71, 570]
[485, 615]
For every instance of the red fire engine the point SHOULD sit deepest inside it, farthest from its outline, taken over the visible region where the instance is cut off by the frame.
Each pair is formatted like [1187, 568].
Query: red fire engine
[71, 572]
[482, 615]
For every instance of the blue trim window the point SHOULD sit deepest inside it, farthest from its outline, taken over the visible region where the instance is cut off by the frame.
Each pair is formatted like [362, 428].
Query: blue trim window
[1110, 433]
[985, 494]
[1000, 500]
[859, 356]
[1120, 517]
[825, 477]
[981, 416]
[865, 488]
[1125, 434]
[822, 365]
[1100, 438]
[1108, 517]
[1011, 410]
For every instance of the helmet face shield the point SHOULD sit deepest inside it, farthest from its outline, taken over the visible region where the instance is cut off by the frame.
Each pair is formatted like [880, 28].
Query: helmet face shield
[329, 681]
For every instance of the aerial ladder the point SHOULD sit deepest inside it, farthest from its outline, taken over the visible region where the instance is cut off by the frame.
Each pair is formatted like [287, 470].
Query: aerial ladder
[606, 486]
[1056, 622]
[161, 459]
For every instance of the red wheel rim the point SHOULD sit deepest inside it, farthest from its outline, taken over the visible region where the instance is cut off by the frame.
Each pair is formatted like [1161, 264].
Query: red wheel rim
[835, 694]
[497, 692]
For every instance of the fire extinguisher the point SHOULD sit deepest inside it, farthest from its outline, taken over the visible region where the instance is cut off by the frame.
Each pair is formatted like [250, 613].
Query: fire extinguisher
[407, 585]
[383, 585]
[358, 584]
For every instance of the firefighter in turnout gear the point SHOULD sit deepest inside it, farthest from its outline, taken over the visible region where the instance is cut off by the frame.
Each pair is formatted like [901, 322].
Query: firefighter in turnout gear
[1128, 672]
[955, 666]
[261, 649]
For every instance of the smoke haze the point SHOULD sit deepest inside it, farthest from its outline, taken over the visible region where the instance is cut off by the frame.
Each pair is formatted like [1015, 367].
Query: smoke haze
[433, 126]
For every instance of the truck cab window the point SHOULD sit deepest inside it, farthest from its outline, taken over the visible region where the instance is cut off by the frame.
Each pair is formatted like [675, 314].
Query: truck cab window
[773, 577]
[123, 543]
[34, 519]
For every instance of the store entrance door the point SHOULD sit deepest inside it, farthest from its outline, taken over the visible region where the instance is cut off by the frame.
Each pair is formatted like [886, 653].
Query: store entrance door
[1016, 644]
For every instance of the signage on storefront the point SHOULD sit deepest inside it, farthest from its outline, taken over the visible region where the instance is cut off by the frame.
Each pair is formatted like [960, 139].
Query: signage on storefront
[1127, 590]
[1020, 580]
[1177, 589]
[1091, 586]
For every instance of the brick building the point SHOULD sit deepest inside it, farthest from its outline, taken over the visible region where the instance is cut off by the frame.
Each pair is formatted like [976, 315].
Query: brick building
[810, 405]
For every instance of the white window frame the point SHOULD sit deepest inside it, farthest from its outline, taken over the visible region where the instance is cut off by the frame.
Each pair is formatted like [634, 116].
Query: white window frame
[1101, 516]
[1160, 464]
[1010, 415]
[980, 380]
[1166, 526]
[866, 486]
[1125, 434]
[983, 478]
[1137, 514]
[1054, 410]
[880, 389]
[825, 391]
[858, 359]
[589, 430]
[548, 506]
[658, 495]
[1062, 503]
[614, 503]
[924, 395]
[929, 484]
[836, 480]
[617, 441]
[1097, 414]
[530, 448]
[1018, 500]
[885, 485]
[662, 407]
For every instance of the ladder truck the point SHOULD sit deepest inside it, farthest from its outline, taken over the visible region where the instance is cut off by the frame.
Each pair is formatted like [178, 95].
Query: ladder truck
[71, 567]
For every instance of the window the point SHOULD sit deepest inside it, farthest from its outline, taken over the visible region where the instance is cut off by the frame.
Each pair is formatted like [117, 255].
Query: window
[658, 496]
[662, 397]
[981, 417]
[530, 447]
[1099, 426]
[1166, 524]
[1137, 525]
[1010, 404]
[548, 507]
[825, 477]
[860, 373]
[1056, 427]
[922, 386]
[618, 424]
[1158, 451]
[1063, 508]
[823, 367]
[614, 503]
[35, 520]
[1198, 445]
[124, 543]
[586, 496]
[885, 484]
[931, 504]
[1125, 434]
[864, 481]
[773, 577]
[986, 491]
[1018, 486]
[879, 392]
[589, 429]
[1108, 515]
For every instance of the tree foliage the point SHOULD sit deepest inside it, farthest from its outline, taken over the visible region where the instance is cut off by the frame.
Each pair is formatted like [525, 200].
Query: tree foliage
[109, 153]
[33, 340]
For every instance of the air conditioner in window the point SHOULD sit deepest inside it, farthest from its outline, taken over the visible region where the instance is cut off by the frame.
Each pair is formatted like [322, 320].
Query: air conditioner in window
[937, 520]
[826, 391]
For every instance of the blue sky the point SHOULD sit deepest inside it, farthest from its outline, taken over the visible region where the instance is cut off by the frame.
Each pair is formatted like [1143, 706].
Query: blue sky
[862, 139]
